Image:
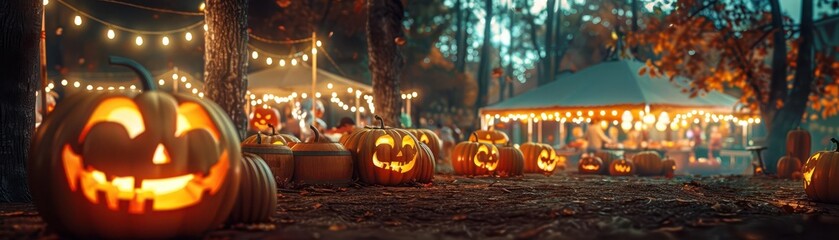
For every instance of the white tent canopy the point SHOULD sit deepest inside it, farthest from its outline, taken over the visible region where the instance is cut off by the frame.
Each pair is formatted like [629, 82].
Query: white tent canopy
[286, 80]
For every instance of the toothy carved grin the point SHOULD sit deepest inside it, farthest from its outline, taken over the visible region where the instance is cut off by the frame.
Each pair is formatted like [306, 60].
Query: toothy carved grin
[158, 194]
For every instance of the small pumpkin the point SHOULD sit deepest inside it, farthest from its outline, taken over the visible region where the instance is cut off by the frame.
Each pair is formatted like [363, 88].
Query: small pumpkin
[798, 144]
[273, 150]
[290, 140]
[113, 166]
[257, 199]
[429, 138]
[819, 175]
[263, 117]
[490, 136]
[621, 167]
[647, 163]
[510, 161]
[668, 167]
[425, 172]
[788, 166]
[474, 158]
[321, 161]
[590, 164]
[387, 156]
[539, 158]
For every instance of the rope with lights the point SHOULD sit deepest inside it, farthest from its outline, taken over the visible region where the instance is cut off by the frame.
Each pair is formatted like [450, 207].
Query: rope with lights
[271, 41]
[127, 29]
[161, 10]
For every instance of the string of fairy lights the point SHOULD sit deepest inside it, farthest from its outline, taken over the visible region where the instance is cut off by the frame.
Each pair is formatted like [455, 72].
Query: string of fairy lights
[186, 33]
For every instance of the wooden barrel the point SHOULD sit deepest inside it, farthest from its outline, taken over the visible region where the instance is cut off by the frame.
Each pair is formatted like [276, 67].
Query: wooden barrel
[322, 162]
[279, 158]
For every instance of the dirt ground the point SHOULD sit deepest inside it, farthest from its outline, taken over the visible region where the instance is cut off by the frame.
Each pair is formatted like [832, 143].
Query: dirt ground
[563, 206]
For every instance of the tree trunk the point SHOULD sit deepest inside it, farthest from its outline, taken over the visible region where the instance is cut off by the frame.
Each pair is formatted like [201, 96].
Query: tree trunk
[226, 58]
[19, 66]
[789, 116]
[549, 61]
[460, 36]
[483, 67]
[384, 30]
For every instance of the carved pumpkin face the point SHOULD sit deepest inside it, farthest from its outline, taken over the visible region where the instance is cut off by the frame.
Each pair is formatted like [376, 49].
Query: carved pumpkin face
[486, 158]
[539, 158]
[261, 117]
[103, 160]
[474, 158]
[388, 156]
[819, 174]
[429, 138]
[489, 136]
[621, 167]
[590, 164]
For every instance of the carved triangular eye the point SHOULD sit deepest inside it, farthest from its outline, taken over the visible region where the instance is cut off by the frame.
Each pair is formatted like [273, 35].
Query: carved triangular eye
[118, 110]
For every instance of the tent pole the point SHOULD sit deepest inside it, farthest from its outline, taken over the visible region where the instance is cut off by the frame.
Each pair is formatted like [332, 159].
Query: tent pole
[561, 133]
[529, 130]
[539, 131]
[314, 74]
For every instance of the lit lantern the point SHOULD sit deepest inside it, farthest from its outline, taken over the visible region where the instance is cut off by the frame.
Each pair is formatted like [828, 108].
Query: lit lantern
[262, 117]
[112, 166]
[539, 158]
[490, 136]
[819, 173]
[590, 164]
[429, 138]
[388, 156]
[474, 158]
[621, 167]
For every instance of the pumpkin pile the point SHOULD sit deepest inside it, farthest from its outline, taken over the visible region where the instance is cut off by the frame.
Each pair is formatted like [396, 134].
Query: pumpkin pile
[107, 165]
[389, 156]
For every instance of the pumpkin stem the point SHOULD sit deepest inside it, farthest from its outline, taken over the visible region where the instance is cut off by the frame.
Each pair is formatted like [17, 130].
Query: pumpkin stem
[317, 133]
[835, 142]
[476, 136]
[145, 76]
[381, 121]
[258, 137]
[273, 131]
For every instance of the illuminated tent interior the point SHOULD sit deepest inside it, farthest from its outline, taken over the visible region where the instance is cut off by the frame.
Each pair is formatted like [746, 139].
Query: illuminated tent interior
[290, 79]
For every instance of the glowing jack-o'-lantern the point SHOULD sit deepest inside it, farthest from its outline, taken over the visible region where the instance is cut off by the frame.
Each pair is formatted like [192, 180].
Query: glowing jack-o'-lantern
[387, 156]
[621, 167]
[539, 158]
[111, 166]
[264, 117]
[590, 164]
[474, 158]
[819, 174]
[429, 138]
[490, 136]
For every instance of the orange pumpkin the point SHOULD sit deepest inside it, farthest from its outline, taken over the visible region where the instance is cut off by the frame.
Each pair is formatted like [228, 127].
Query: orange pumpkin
[262, 117]
[112, 166]
[429, 138]
[590, 164]
[510, 161]
[388, 156]
[607, 159]
[819, 175]
[474, 158]
[322, 162]
[490, 136]
[647, 163]
[273, 150]
[668, 168]
[798, 144]
[539, 158]
[257, 198]
[788, 166]
[621, 167]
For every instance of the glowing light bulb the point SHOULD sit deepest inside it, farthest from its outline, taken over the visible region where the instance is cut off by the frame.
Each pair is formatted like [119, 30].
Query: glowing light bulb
[188, 85]
[46, 2]
[318, 43]
[183, 78]
[254, 55]
[63, 82]
[206, 28]
[188, 36]
[139, 41]
[76, 84]
[329, 85]
[269, 61]
[294, 62]
[314, 51]
[111, 34]
[77, 20]
[282, 62]
[202, 7]
[165, 41]
[161, 82]
[305, 57]
[174, 76]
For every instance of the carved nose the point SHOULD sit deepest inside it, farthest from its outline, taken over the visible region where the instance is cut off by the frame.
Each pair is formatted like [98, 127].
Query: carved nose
[160, 155]
[399, 154]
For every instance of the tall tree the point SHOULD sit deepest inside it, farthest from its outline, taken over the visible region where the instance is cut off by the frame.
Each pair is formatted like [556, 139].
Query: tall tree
[384, 38]
[226, 58]
[719, 44]
[19, 61]
[462, 14]
[483, 66]
[549, 64]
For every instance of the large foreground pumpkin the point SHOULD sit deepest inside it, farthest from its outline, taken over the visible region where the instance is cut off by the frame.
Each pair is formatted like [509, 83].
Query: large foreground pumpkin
[819, 174]
[152, 166]
[388, 156]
